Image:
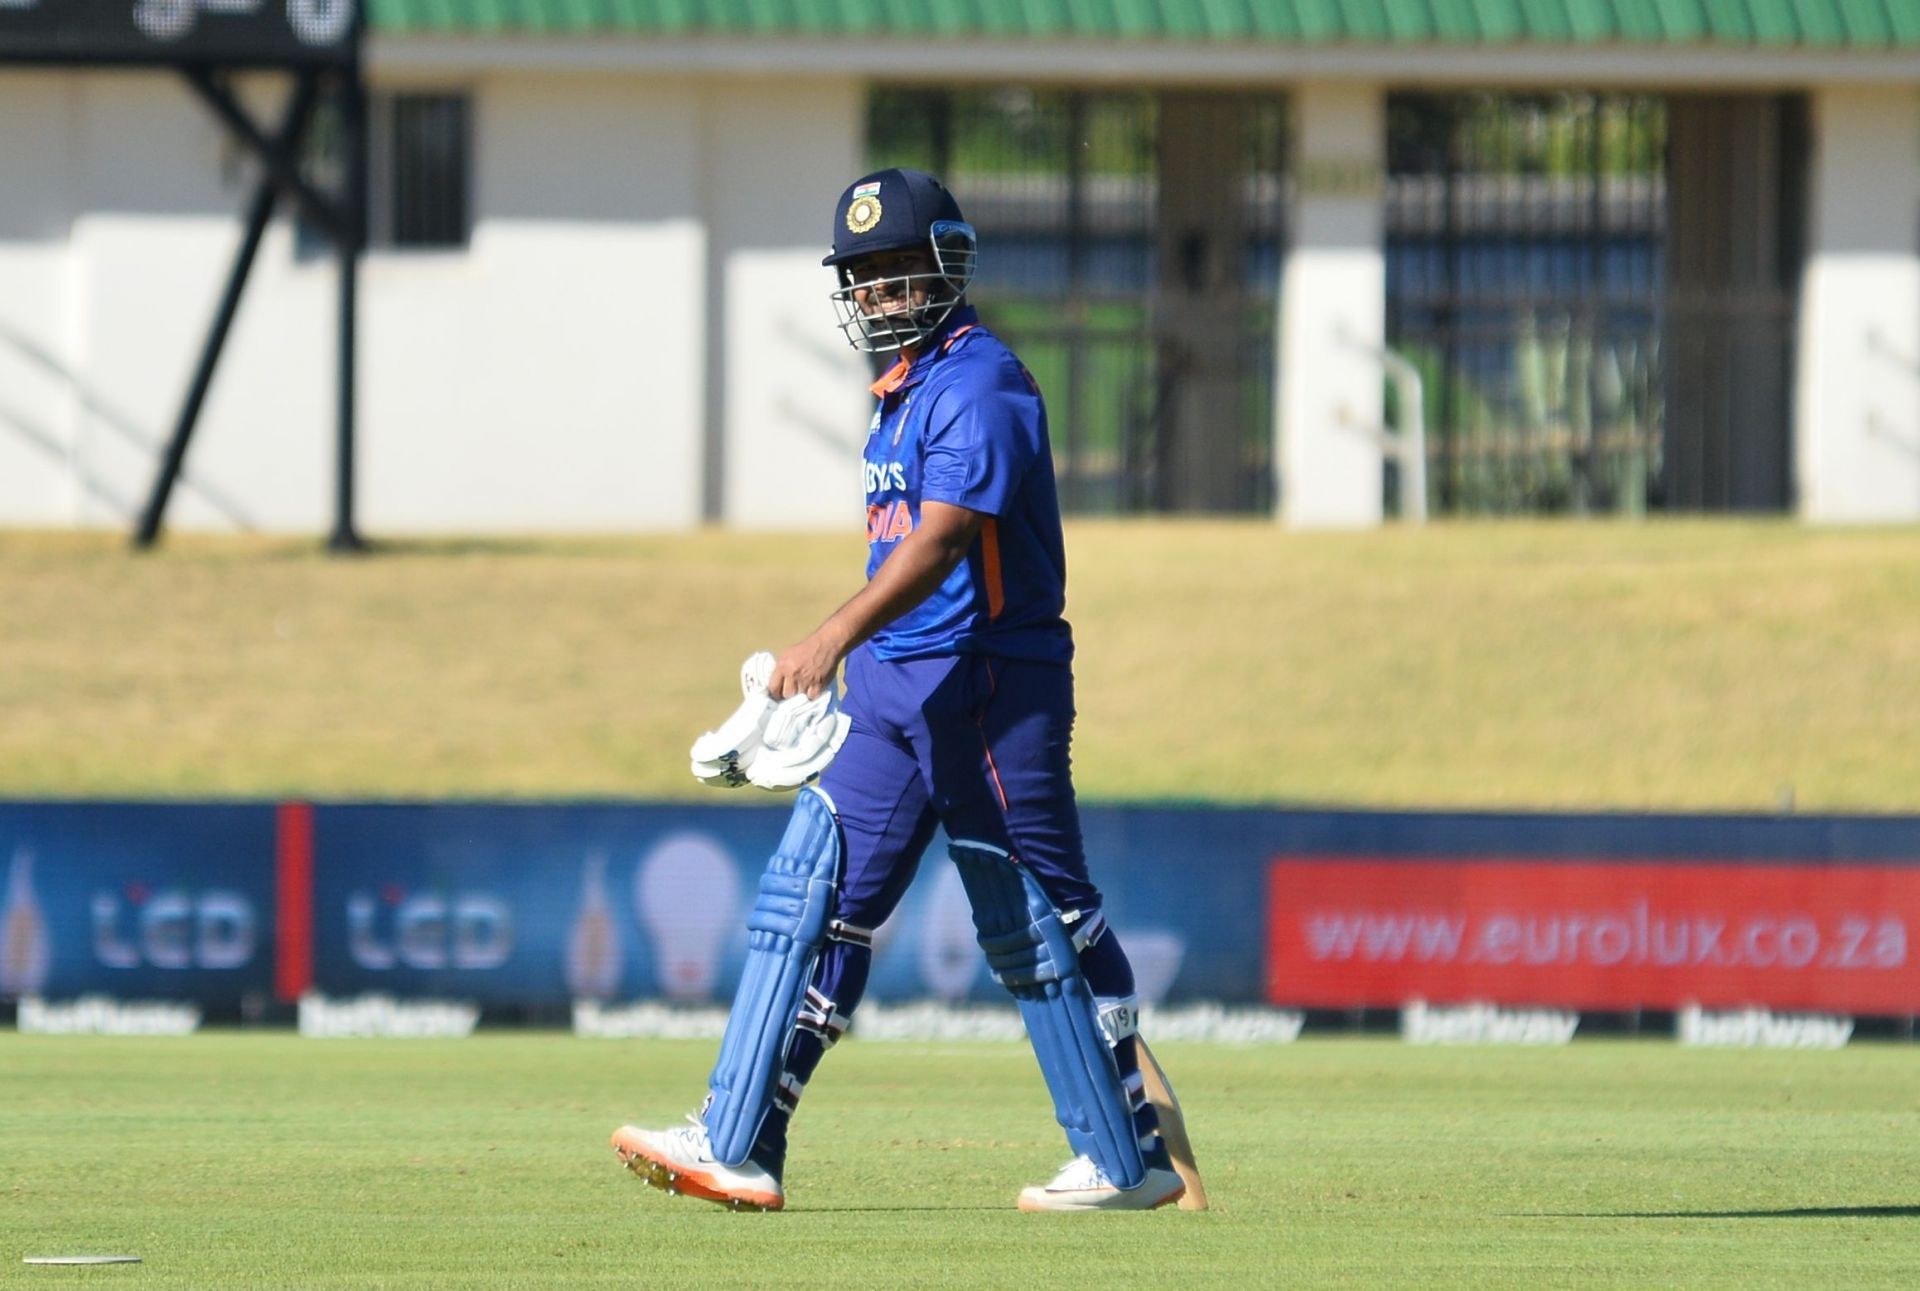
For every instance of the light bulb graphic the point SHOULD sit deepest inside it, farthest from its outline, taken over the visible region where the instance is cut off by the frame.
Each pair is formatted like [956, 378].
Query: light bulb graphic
[950, 956]
[593, 946]
[25, 951]
[1156, 955]
[687, 894]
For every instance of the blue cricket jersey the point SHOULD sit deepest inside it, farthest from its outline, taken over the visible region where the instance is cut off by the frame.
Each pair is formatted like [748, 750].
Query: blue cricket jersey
[964, 424]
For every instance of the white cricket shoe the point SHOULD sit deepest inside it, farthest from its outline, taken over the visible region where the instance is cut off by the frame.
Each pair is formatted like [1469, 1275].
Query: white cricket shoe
[1083, 1185]
[681, 1161]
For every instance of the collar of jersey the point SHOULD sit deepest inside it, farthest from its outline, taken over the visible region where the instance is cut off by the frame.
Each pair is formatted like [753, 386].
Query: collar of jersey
[904, 375]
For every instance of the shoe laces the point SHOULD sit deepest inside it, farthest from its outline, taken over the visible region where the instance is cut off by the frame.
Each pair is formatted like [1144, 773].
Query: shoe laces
[1081, 1172]
[694, 1132]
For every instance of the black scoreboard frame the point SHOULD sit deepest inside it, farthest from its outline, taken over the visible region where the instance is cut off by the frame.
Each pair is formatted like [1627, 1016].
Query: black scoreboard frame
[313, 44]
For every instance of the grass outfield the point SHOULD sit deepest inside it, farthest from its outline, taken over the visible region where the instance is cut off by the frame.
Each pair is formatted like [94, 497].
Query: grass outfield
[251, 1160]
[1673, 665]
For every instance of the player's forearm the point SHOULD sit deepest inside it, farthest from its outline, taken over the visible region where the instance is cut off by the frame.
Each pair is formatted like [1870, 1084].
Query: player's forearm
[909, 576]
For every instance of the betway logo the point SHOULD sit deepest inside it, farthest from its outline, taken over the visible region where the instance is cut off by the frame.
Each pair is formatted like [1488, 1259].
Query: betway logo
[1421, 1023]
[1762, 1029]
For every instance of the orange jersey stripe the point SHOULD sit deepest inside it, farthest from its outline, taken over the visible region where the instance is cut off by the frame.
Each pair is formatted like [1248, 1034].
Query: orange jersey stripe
[892, 379]
[990, 566]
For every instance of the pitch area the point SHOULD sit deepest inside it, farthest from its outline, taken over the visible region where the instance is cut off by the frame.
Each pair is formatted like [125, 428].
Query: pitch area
[260, 1159]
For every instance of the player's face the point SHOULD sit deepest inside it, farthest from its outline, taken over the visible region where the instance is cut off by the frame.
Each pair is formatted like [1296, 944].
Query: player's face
[890, 282]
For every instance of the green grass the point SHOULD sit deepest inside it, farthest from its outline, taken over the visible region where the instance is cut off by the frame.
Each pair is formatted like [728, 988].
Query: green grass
[249, 1160]
[1674, 665]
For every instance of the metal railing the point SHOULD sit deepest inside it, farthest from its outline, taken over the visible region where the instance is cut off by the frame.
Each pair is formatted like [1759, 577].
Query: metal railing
[1403, 440]
[1526, 280]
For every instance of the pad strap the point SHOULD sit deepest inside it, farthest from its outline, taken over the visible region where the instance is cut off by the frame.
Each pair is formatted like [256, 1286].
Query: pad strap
[1034, 955]
[786, 1094]
[822, 1016]
[785, 931]
[1119, 1017]
[840, 930]
[1086, 927]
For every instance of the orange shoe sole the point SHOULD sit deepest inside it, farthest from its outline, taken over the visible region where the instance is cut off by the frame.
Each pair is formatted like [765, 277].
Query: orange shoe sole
[671, 1177]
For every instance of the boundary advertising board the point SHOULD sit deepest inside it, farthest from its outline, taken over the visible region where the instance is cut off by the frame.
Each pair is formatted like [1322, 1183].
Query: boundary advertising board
[243, 906]
[1350, 933]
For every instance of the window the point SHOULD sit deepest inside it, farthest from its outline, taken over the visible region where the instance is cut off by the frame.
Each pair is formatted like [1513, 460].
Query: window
[427, 164]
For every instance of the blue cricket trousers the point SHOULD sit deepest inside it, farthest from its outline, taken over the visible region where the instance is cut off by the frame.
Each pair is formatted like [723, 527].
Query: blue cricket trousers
[978, 744]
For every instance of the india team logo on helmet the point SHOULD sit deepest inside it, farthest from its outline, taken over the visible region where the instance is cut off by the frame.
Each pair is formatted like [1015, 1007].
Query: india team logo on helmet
[864, 211]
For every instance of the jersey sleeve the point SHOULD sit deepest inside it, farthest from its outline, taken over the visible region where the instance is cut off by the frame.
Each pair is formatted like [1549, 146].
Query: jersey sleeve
[980, 439]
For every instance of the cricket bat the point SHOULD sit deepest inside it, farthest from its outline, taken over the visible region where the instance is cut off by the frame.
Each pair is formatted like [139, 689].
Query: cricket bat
[1173, 1127]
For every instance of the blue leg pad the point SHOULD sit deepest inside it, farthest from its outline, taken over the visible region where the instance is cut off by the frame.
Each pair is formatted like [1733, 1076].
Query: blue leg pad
[784, 935]
[1033, 955]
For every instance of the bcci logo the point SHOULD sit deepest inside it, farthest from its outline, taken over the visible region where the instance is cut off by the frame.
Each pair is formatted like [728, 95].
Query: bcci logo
[865, 210]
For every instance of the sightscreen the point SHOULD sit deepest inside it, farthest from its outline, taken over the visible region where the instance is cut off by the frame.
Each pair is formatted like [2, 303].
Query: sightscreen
[246, 33]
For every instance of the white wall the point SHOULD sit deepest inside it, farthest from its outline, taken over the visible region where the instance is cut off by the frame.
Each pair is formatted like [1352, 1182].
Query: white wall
[106, 267]
[115, 230]
[37, 333]
[791, 393]
[644, 265]
[156, 227]
[1858, 434]
[550, 376]
[1333, 312]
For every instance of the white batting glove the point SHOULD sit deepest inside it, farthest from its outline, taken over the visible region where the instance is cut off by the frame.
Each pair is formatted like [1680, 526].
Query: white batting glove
[800, 738]
[721, 758]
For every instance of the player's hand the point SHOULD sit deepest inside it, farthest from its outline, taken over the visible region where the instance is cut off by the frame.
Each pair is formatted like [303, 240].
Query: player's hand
[804, 668]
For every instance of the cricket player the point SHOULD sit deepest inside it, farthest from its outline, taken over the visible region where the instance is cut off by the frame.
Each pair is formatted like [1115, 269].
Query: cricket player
[960, 690]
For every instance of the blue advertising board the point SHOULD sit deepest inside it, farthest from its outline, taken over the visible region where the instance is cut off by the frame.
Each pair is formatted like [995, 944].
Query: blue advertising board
[513, 905]
[138, 901]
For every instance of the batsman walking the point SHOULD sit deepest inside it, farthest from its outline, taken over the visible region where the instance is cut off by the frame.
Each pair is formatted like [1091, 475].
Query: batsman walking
[960, 689]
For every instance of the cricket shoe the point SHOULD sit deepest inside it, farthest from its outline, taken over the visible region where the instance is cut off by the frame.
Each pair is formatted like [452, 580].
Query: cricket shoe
[1083, 1185]
[681, 1161]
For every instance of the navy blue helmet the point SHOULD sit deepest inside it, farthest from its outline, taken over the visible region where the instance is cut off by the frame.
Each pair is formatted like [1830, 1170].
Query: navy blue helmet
[886, 308]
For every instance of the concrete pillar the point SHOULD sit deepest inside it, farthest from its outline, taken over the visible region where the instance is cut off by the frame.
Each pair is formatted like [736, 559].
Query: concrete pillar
[1857, 441]
[1333, 311]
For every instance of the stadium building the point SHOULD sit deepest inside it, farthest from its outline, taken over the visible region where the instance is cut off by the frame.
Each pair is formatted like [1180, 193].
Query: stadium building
[1607, 256]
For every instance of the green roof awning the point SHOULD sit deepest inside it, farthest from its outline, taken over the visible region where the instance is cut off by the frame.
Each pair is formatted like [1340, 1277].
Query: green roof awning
[1860, 25]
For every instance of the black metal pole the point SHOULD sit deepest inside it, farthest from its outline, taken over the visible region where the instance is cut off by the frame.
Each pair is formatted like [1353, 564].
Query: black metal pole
[348, 243]
[282, 165]
[258, 214]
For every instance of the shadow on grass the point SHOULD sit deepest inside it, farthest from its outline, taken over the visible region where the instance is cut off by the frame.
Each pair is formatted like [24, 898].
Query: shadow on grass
[1805, 1212]
[483, 545]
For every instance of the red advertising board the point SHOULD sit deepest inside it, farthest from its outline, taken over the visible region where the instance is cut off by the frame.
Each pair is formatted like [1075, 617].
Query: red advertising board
[1346, 932]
